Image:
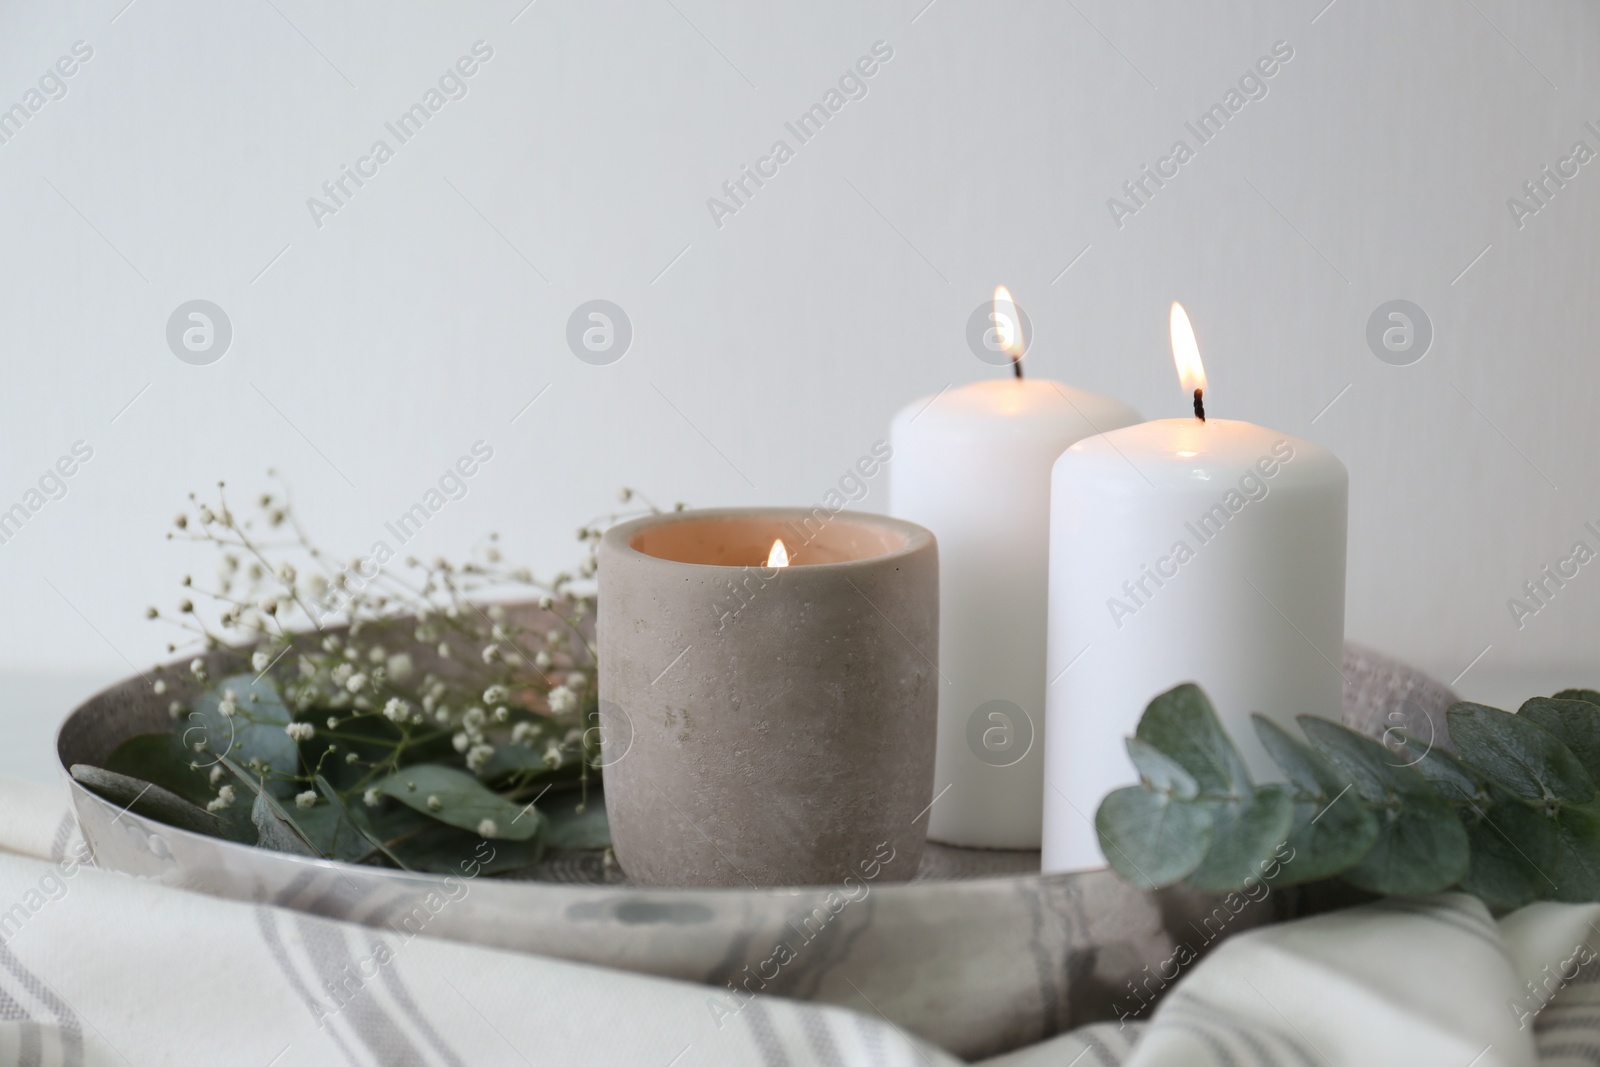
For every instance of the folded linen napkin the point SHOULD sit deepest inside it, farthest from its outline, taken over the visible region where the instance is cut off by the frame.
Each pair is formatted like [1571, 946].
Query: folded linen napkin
[98, 968]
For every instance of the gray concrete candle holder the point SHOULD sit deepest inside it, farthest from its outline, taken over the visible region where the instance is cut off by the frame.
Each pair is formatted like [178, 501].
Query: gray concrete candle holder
[768, 726]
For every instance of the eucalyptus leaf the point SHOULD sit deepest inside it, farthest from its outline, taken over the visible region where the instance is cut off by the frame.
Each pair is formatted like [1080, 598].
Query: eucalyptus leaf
[1151, 839]
[1370, 767]
[1245, 836]
[276, 831]
[162, 759]
[254, 732]
[1453, 780]
[576, 823]
[1182, 724]
[1576, 870]
[442, 849]
[1421, 848]
[458, 799]
[1332, 830]
[1161, 772]
[1587, 695]
[1513, 848]
[1519, 754]
[357, 817]
[1576, 723]
[147, 799]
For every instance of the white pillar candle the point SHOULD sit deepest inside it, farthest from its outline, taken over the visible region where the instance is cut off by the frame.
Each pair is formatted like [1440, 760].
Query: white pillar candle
[1210, 551]
[972, 464]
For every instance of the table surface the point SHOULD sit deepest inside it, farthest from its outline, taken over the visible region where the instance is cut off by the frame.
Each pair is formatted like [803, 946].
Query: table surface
[33, 705]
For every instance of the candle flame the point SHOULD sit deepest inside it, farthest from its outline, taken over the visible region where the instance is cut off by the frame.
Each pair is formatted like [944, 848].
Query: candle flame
[1186, 352]
[779, 556]
[1008, 323]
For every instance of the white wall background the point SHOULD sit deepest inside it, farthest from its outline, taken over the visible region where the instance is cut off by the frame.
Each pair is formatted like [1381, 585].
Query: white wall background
[424, 315]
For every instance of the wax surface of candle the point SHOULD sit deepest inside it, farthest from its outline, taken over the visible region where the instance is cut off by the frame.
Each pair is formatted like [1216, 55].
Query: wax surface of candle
[1181, 550]
[974, 467]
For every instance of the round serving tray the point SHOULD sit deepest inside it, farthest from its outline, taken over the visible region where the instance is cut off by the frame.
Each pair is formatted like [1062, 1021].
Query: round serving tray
[978, 953]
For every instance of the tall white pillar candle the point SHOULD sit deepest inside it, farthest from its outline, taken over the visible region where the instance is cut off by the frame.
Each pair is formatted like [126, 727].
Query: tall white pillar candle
[1210, 551]
[973, 465]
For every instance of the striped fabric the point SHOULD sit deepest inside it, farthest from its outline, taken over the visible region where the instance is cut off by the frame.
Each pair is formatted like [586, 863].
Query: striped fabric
[98, 969]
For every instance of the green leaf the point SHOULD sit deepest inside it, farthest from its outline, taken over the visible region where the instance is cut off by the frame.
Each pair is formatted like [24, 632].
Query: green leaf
[1245, 836]
[148, 800]
[1333, 829]
[1151, 839]
[1576, 870]
[255, 732]
[572, 828]
[276, 830]
[162, 759]
[1160, 772]
[1182, 724]
[1421, 848]
[462, 801]
[1370, 767]
[1586, 695]
[1453, 780]
[1518, 754]
[357, 817]
[1514, 847]
[1576, 723]
[441, 849]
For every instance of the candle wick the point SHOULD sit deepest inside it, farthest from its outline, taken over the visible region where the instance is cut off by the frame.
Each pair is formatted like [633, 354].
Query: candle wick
[1199, 405]
[1016, 366]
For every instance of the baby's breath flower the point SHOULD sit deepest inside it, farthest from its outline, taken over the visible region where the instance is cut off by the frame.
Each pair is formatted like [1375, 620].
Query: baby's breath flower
[443, 650]
[495, 694]
[563, 701]
[478, 755]
[487, 828]
[371, 797]
[434, 803]
[306, 799]
[473, 718]
[577, 680]
[216, 774]
[300, 731]
[159, 686]
[522, 731]
[175, 709]
[502, 713]
[197, 667]
[260, 661]
[552, 755]
[356, 682]
[227, 707]
[542, 660]
[460, 741]
[351, 758]
[286, 573]
[396, 710]
[224, 799]
[333, 723]
[491, 653]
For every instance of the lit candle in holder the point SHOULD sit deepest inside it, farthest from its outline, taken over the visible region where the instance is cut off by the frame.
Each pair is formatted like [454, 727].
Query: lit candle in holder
[788, 741]
[973, 465]
[1193, 549]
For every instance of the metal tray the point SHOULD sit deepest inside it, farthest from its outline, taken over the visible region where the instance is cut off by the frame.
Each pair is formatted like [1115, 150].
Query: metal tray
[979, 953]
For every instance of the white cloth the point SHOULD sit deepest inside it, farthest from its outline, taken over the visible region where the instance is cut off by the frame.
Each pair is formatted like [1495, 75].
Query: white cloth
[99, 969]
